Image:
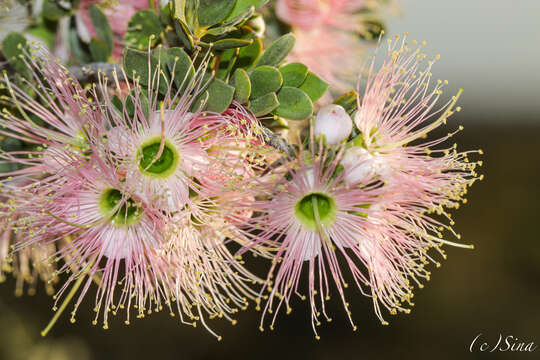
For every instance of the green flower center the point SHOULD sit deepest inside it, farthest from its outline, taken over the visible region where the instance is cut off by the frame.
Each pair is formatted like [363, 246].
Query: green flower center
[313, 204]
[128, 213]
[162, 167]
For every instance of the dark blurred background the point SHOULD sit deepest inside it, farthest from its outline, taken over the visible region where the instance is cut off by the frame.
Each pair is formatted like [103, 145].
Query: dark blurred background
[493, 289]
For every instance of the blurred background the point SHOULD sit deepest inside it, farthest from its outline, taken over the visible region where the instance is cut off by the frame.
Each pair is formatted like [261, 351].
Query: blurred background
[488, 47]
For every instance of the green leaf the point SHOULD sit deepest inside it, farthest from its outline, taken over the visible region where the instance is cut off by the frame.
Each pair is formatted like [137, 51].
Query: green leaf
[220, 96]
[239, 19]
[180, 65]
[264, 104]
[278, 50]
[348, 101]
[294, 104]
[136, 65]
[51, 10]
[43, 33]
[102, 27]
[199, 101]
[242, 5]
[242, 84]
[12, 48]
[265, 79]
[314, 86]
[226, 63]
[192, 19]
[226, 44]
[77, 49]
[137, 61]
[249, 55]
[142, 26]
[212, 12]
[144, 104]
[179, 9]
[98, 50]
[294, 74]
[184, 34]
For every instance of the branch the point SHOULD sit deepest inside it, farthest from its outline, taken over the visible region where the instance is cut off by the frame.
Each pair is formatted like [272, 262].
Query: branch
[278, 142]
[88, 72]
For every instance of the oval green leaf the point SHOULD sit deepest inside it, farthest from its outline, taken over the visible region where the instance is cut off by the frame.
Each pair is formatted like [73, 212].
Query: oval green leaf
[314, 86]
[294, 74]
[264, 104]
[242, 86]
[278, 50]
[294, 104]
[102, 27]
[220, 96]
[265, 79]
[180, 66]
[142, 26]
[212, 12]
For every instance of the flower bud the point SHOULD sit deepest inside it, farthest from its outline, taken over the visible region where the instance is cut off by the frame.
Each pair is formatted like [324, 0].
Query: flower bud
[334, 123]
[360, 166]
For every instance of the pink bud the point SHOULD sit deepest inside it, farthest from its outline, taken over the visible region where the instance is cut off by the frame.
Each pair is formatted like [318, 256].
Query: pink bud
[334, 123]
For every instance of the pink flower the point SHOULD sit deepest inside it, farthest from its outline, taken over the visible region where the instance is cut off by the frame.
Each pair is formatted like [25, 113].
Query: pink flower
[397, 109]
[313, 219]
[118, 12]
[26, 266]
[133, 202]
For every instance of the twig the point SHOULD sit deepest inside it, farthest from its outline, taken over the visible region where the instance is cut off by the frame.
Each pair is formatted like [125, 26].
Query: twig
[278, 142]
[89, 72]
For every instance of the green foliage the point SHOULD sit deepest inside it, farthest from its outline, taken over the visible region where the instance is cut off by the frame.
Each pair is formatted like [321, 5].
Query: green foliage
[184, 34]
[52, 11]
[264, 104]
[242, 5]
[265, 79]
[220, 96]
[77, 47]
[226, 44]
[242, 86]
[12, 48]
[144, 28]
[98, 50]
[314, 86]
[137, 67]
[180, 65]
[348, 101]
[294, 74]
[102, 28]
[294, 104]
[277, 51]
[248, 56]
[212, 12]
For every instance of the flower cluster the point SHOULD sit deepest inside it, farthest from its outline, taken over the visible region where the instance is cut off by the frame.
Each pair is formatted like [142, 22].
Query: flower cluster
[136, 189]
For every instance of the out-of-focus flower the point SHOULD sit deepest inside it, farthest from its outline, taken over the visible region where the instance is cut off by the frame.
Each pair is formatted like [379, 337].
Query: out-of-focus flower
[13, 17]
[327, 35]
[118, 12]
[28, 265]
